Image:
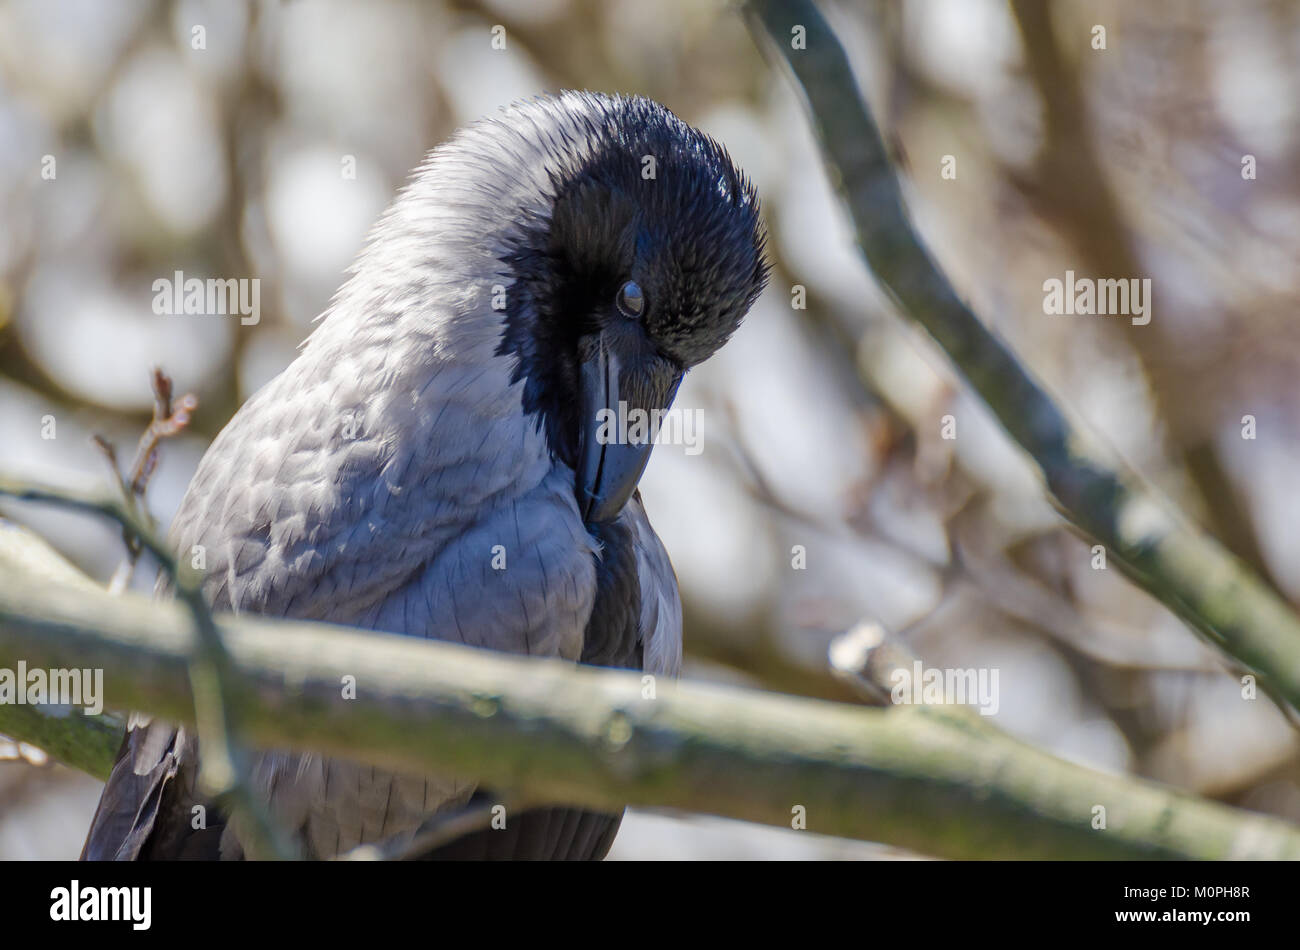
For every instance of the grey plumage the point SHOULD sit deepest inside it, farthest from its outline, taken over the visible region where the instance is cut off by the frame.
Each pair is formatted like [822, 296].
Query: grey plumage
[372, 482]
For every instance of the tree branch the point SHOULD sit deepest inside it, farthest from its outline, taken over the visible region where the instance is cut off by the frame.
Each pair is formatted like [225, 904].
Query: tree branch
[939, 780]
[1214, 592]
[223, 766]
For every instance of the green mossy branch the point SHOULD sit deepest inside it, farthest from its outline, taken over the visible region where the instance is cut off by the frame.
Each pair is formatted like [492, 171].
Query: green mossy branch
[939, 780]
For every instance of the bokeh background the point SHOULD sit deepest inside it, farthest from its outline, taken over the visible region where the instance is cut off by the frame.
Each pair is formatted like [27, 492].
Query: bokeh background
[822, 426]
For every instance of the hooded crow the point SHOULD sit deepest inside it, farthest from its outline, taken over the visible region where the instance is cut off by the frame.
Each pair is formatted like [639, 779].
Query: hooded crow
[433, 462]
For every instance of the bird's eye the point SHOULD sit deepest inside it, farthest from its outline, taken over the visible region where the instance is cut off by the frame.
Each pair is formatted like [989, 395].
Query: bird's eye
[630, 300]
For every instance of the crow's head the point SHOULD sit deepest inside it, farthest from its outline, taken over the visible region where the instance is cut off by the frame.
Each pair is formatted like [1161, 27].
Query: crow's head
[641, 261]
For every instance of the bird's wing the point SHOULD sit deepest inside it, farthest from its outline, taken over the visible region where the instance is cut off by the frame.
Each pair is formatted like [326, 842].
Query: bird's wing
[660, 618]
[540, 834]
[148, 764]
[318, 504]
[636, 622]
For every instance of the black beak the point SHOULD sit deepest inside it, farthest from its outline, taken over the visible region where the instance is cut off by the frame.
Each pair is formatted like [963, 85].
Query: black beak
[612, 452]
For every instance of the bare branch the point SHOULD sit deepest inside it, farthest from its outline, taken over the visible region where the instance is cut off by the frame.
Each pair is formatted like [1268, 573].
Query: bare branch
[223, 769]
[167, 422]
[939, 780]
[1215, 593]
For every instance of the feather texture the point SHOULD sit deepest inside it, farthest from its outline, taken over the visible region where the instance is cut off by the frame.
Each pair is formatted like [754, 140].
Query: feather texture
[401, 474]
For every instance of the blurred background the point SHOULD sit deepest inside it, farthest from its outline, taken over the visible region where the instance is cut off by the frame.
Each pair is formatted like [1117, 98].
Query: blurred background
[215, 137]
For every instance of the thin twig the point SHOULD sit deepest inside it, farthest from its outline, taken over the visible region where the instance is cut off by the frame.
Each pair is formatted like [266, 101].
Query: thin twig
[223, 764]
[439, 830]
[167, 421]
[866, 656]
